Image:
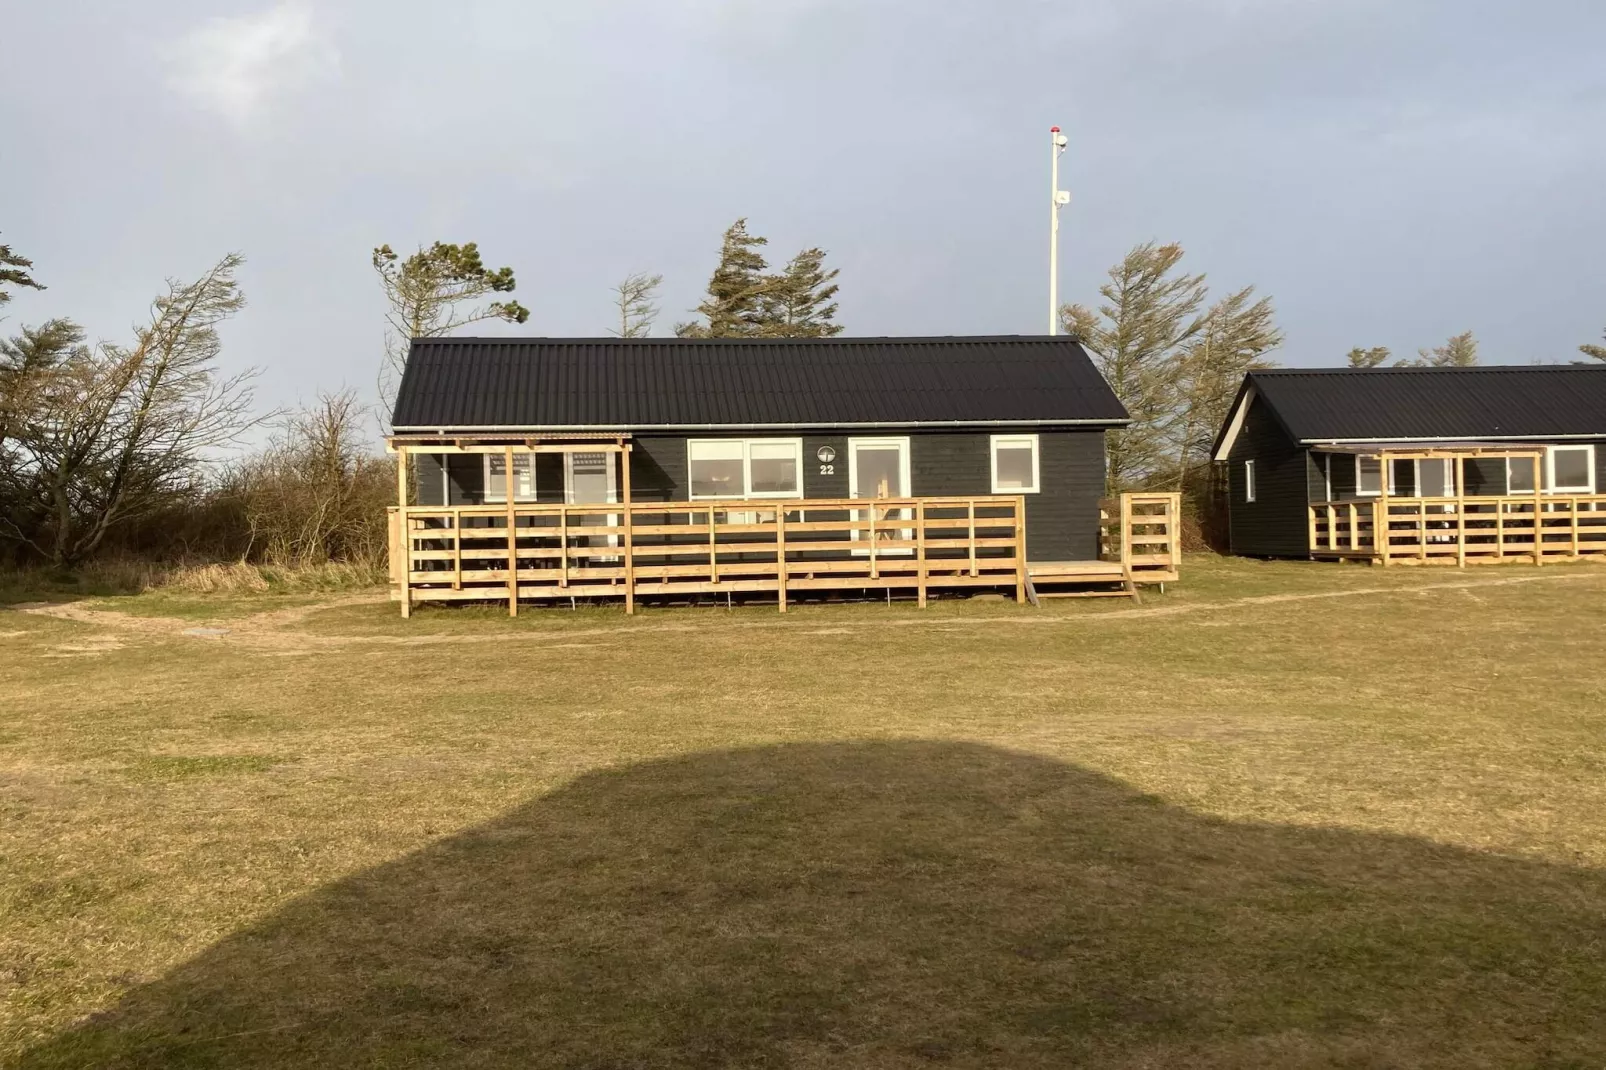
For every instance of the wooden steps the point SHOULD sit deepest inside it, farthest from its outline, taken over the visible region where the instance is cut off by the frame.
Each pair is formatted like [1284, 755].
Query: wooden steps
[1080, 579]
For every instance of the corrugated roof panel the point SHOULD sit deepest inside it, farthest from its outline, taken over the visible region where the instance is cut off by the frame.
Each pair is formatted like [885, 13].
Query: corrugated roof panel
[583, 382]
[1377, 404]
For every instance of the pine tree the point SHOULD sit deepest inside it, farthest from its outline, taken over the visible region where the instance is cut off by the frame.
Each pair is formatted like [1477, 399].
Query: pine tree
[1461, 351]
[1136, 337]
[799, 302]
[737, 291]
[1369, 358]
[1238, 333]
[14, 271]
[1594, 352]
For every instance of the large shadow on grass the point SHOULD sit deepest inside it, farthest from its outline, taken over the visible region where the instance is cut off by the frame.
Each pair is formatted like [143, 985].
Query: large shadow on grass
[890, 905]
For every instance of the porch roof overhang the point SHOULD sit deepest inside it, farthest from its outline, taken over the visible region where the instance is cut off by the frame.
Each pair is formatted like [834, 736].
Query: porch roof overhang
[1406, 449]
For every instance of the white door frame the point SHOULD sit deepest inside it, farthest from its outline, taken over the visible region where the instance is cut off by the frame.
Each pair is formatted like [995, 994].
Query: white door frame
[901, 444]
[612, 479]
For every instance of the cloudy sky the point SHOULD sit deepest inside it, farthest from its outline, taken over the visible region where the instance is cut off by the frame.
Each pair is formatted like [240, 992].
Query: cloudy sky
[1390, 171]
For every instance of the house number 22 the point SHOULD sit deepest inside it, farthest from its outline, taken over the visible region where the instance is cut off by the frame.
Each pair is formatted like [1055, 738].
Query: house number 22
[826, 455]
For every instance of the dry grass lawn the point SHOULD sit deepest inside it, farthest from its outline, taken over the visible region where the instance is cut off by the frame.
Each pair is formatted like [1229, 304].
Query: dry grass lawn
[1285, 815]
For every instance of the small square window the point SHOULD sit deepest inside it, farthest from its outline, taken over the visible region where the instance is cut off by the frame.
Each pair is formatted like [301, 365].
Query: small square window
[1015, 464]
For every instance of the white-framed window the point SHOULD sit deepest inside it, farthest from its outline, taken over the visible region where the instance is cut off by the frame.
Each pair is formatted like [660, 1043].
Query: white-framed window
[496, 477]
[1368, 475]
[1570, 469]
[1016, 469]
[1520, 475]
[1249, 481]
[744, 467]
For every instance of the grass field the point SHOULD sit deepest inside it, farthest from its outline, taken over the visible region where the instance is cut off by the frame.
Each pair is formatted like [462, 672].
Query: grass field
[1285, 815]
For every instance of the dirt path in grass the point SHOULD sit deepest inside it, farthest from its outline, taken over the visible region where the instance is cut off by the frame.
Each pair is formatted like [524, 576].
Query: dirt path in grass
[273, 633]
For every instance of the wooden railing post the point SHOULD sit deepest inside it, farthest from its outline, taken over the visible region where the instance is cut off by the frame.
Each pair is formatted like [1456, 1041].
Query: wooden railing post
[1126, 531]
[970, 516]
[1020, 549]
[404, 525]
[920, 552]
[1572, 506]
[457, 549]
[713, 548]
[1539, 514]
[780, 556]
[563, 544]
[874, 532]
[1460, 513]
[629, 540]
[512, 537]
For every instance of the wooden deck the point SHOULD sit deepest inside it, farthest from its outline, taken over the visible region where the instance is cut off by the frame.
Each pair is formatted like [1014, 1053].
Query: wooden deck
[787, 549]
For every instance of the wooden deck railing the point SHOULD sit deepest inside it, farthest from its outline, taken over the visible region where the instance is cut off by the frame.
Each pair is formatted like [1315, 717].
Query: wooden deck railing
[533, 551]
[540, 552]
[1461, 531]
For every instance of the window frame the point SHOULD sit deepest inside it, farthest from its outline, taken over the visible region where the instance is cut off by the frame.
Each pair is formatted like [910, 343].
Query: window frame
[746, 444]
[487, 498]
[1588, 448]
[1249, 482]
[1360, 489]
[995, 441]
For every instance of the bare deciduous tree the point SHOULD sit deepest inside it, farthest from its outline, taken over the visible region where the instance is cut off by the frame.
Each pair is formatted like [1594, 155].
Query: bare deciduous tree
[634, 299]
[318, 492]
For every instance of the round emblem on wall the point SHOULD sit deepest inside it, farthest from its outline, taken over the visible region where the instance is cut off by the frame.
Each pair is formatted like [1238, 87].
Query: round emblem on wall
[826, 454]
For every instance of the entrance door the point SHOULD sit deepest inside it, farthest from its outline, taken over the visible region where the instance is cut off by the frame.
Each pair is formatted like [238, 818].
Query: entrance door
[592, 479]
[879, 468]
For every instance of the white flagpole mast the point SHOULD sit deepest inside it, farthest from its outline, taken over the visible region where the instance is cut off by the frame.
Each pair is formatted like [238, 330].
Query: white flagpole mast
[1057, 199]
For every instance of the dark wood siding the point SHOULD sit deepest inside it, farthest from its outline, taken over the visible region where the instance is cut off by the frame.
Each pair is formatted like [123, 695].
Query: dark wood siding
[1276, 523]
[1062, 519]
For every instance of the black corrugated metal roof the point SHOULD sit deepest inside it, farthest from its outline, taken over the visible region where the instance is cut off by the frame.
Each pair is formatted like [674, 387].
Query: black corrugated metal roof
[506, 383]
[1383, 404]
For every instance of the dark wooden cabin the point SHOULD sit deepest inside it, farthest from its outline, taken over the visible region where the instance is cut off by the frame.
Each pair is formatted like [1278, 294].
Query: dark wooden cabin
[1472, 457]
[783, 428]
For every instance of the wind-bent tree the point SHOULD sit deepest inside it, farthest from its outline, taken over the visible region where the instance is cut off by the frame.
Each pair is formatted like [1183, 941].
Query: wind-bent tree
[431, 293]
[634, 299]
[111, 434]
[800, 300]
[1238, 333]
[1461, 351]
[15, 270]
[1594, 352]
[1369, 358]
[1149, 313]
[746, 301]
[735, 306]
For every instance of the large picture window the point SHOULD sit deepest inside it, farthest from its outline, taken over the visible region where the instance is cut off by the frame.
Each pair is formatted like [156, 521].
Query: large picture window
[745, 468]
[1015, 464]
[496, 477]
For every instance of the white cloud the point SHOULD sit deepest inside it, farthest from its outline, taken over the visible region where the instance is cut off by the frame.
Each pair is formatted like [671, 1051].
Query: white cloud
[238, 67]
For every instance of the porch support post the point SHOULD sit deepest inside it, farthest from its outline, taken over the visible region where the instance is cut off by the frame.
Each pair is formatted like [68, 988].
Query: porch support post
[1539, 510]
[404, 525]
[920, 551]
[630, 557]
[1380, 527]
[511, 485]
[1460, 512]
